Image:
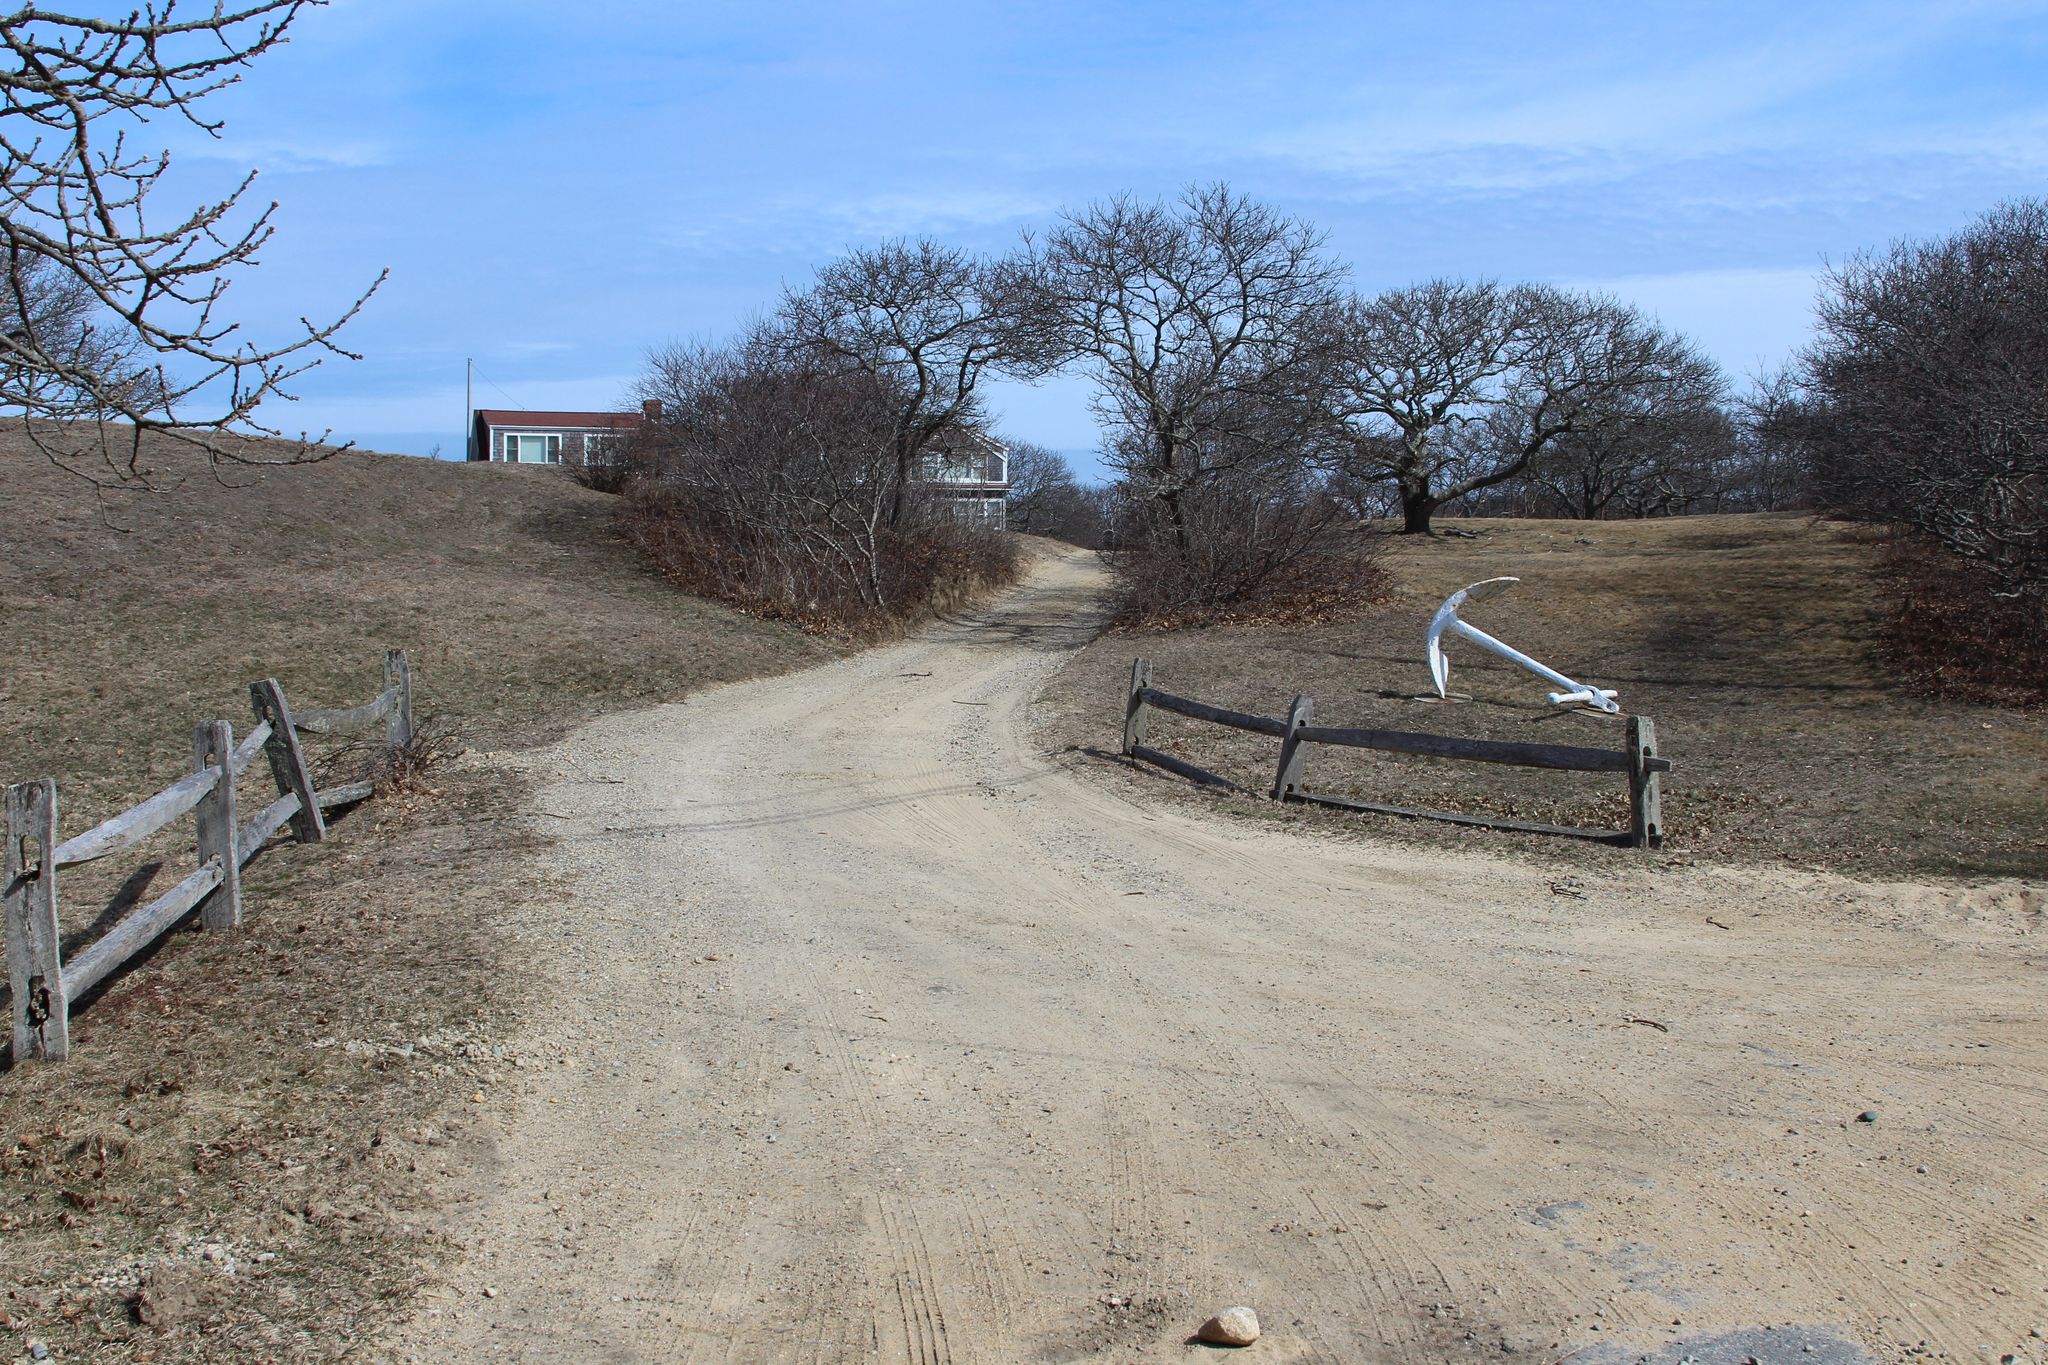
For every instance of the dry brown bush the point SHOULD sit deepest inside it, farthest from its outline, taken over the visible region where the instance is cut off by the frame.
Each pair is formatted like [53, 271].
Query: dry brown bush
[1949, 634]
[772, 483]
[1260, 547]
[921, 568]
[1335, 581]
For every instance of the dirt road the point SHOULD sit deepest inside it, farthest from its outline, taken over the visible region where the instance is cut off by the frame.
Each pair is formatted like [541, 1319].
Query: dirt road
[901, 1040]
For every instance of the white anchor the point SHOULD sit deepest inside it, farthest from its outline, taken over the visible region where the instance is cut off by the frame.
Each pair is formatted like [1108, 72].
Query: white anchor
[1446, 620]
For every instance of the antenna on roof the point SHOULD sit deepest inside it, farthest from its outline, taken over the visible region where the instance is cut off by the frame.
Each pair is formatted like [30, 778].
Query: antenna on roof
[469, 408]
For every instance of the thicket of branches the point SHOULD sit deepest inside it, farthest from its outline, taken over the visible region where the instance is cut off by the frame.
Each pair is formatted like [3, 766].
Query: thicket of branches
[1924, 400]
[773, 482]
[110, 310]
[1205, 324]
[1046, 499]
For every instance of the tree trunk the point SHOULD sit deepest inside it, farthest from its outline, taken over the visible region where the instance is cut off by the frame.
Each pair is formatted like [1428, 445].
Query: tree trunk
[904, 457]
[1418, 505]
[1177, 520]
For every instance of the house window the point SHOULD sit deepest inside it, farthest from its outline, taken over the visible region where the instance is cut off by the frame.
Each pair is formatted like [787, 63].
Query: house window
[524, 449]
[946, 467]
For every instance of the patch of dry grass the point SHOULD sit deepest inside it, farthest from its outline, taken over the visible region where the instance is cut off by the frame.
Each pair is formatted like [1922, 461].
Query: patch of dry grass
[1750, 640]
[275, 1099]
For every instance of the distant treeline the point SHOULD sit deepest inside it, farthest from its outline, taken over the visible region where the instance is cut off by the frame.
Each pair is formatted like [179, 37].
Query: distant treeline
[1250, 404]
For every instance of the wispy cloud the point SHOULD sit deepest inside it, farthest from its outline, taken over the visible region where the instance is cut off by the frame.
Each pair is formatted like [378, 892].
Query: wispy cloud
[1751, 319]
[826, 223]
[558, 189]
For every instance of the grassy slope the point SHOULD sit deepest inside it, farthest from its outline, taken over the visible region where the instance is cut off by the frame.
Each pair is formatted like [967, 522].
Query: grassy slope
[519, 608]
[281, 1090]
[1747, 639]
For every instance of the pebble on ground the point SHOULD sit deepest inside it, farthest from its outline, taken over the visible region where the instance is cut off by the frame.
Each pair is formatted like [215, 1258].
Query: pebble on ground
[1231, 1327]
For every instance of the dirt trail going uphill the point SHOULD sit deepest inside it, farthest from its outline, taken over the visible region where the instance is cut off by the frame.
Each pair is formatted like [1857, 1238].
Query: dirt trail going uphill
[903, 1042]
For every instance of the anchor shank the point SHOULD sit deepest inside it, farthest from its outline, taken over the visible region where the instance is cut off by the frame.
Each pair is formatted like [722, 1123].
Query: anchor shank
[1509, 652]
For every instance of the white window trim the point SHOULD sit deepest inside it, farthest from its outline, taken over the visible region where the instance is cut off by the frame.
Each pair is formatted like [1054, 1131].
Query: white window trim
[501, 447]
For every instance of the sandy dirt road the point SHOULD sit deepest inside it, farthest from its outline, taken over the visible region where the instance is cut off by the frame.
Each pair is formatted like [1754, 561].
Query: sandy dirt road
[904, 1040]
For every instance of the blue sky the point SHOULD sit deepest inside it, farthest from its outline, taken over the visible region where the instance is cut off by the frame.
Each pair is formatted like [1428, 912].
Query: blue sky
[557, 188]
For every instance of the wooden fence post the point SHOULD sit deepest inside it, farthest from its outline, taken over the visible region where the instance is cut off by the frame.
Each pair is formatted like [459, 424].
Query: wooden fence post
[1135, 711]
[398, 673]
[287, 761]
[213, 745]
[35, 966]
[1645, 801]
[1287, 777]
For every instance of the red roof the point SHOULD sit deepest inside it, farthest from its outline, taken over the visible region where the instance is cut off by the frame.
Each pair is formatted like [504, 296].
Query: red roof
[507, 417]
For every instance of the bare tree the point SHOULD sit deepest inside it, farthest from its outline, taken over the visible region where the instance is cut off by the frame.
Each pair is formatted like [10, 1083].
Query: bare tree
[1040, 480]
[930, 320]
[1421, 372]
[1047, 500]
[1659, 449]
[1924, 399]
[1449, 388]
[1768, 472]
[1201, 322]
[111, 315]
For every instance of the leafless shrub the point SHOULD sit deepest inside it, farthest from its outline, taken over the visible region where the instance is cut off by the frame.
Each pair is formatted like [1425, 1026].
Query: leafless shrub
[394, 769]
[1259, 549]
[1924, 400]
[769, 484]
[1047, 500]
[408, 769]
[625, 460]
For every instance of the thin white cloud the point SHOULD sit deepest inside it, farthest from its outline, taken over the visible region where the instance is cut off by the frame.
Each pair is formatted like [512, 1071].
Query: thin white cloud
[1750, 319]
[824, 226]
[932, 210]
[1593, 115]
[281, 151]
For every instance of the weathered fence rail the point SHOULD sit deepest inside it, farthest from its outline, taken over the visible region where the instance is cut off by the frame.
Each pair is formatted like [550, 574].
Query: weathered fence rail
[42, 982]
[1639, 760]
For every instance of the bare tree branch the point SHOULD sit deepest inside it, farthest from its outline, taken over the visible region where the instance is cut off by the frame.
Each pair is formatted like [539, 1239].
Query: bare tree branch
[1201, 322]
[113, 323]
[930, 321]
[1925, 398]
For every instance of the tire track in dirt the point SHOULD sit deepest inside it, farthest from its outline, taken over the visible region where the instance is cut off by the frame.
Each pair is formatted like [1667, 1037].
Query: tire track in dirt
[969, 1042]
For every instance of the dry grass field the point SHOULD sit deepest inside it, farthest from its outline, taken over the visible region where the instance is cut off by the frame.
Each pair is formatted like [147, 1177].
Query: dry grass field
[251, 1154]
[1748, 639]
[278, 1099]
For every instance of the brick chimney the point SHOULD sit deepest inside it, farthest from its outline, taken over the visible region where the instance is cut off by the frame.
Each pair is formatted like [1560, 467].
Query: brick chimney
[651, 409]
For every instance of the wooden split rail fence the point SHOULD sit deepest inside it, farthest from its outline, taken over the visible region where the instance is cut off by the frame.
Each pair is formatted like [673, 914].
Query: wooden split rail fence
[42, 982]
[1639, 760]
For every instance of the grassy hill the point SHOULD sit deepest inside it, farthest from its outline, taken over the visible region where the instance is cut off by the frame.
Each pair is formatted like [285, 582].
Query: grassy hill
[270, 1095]
[136, 613]
[1750, 640]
